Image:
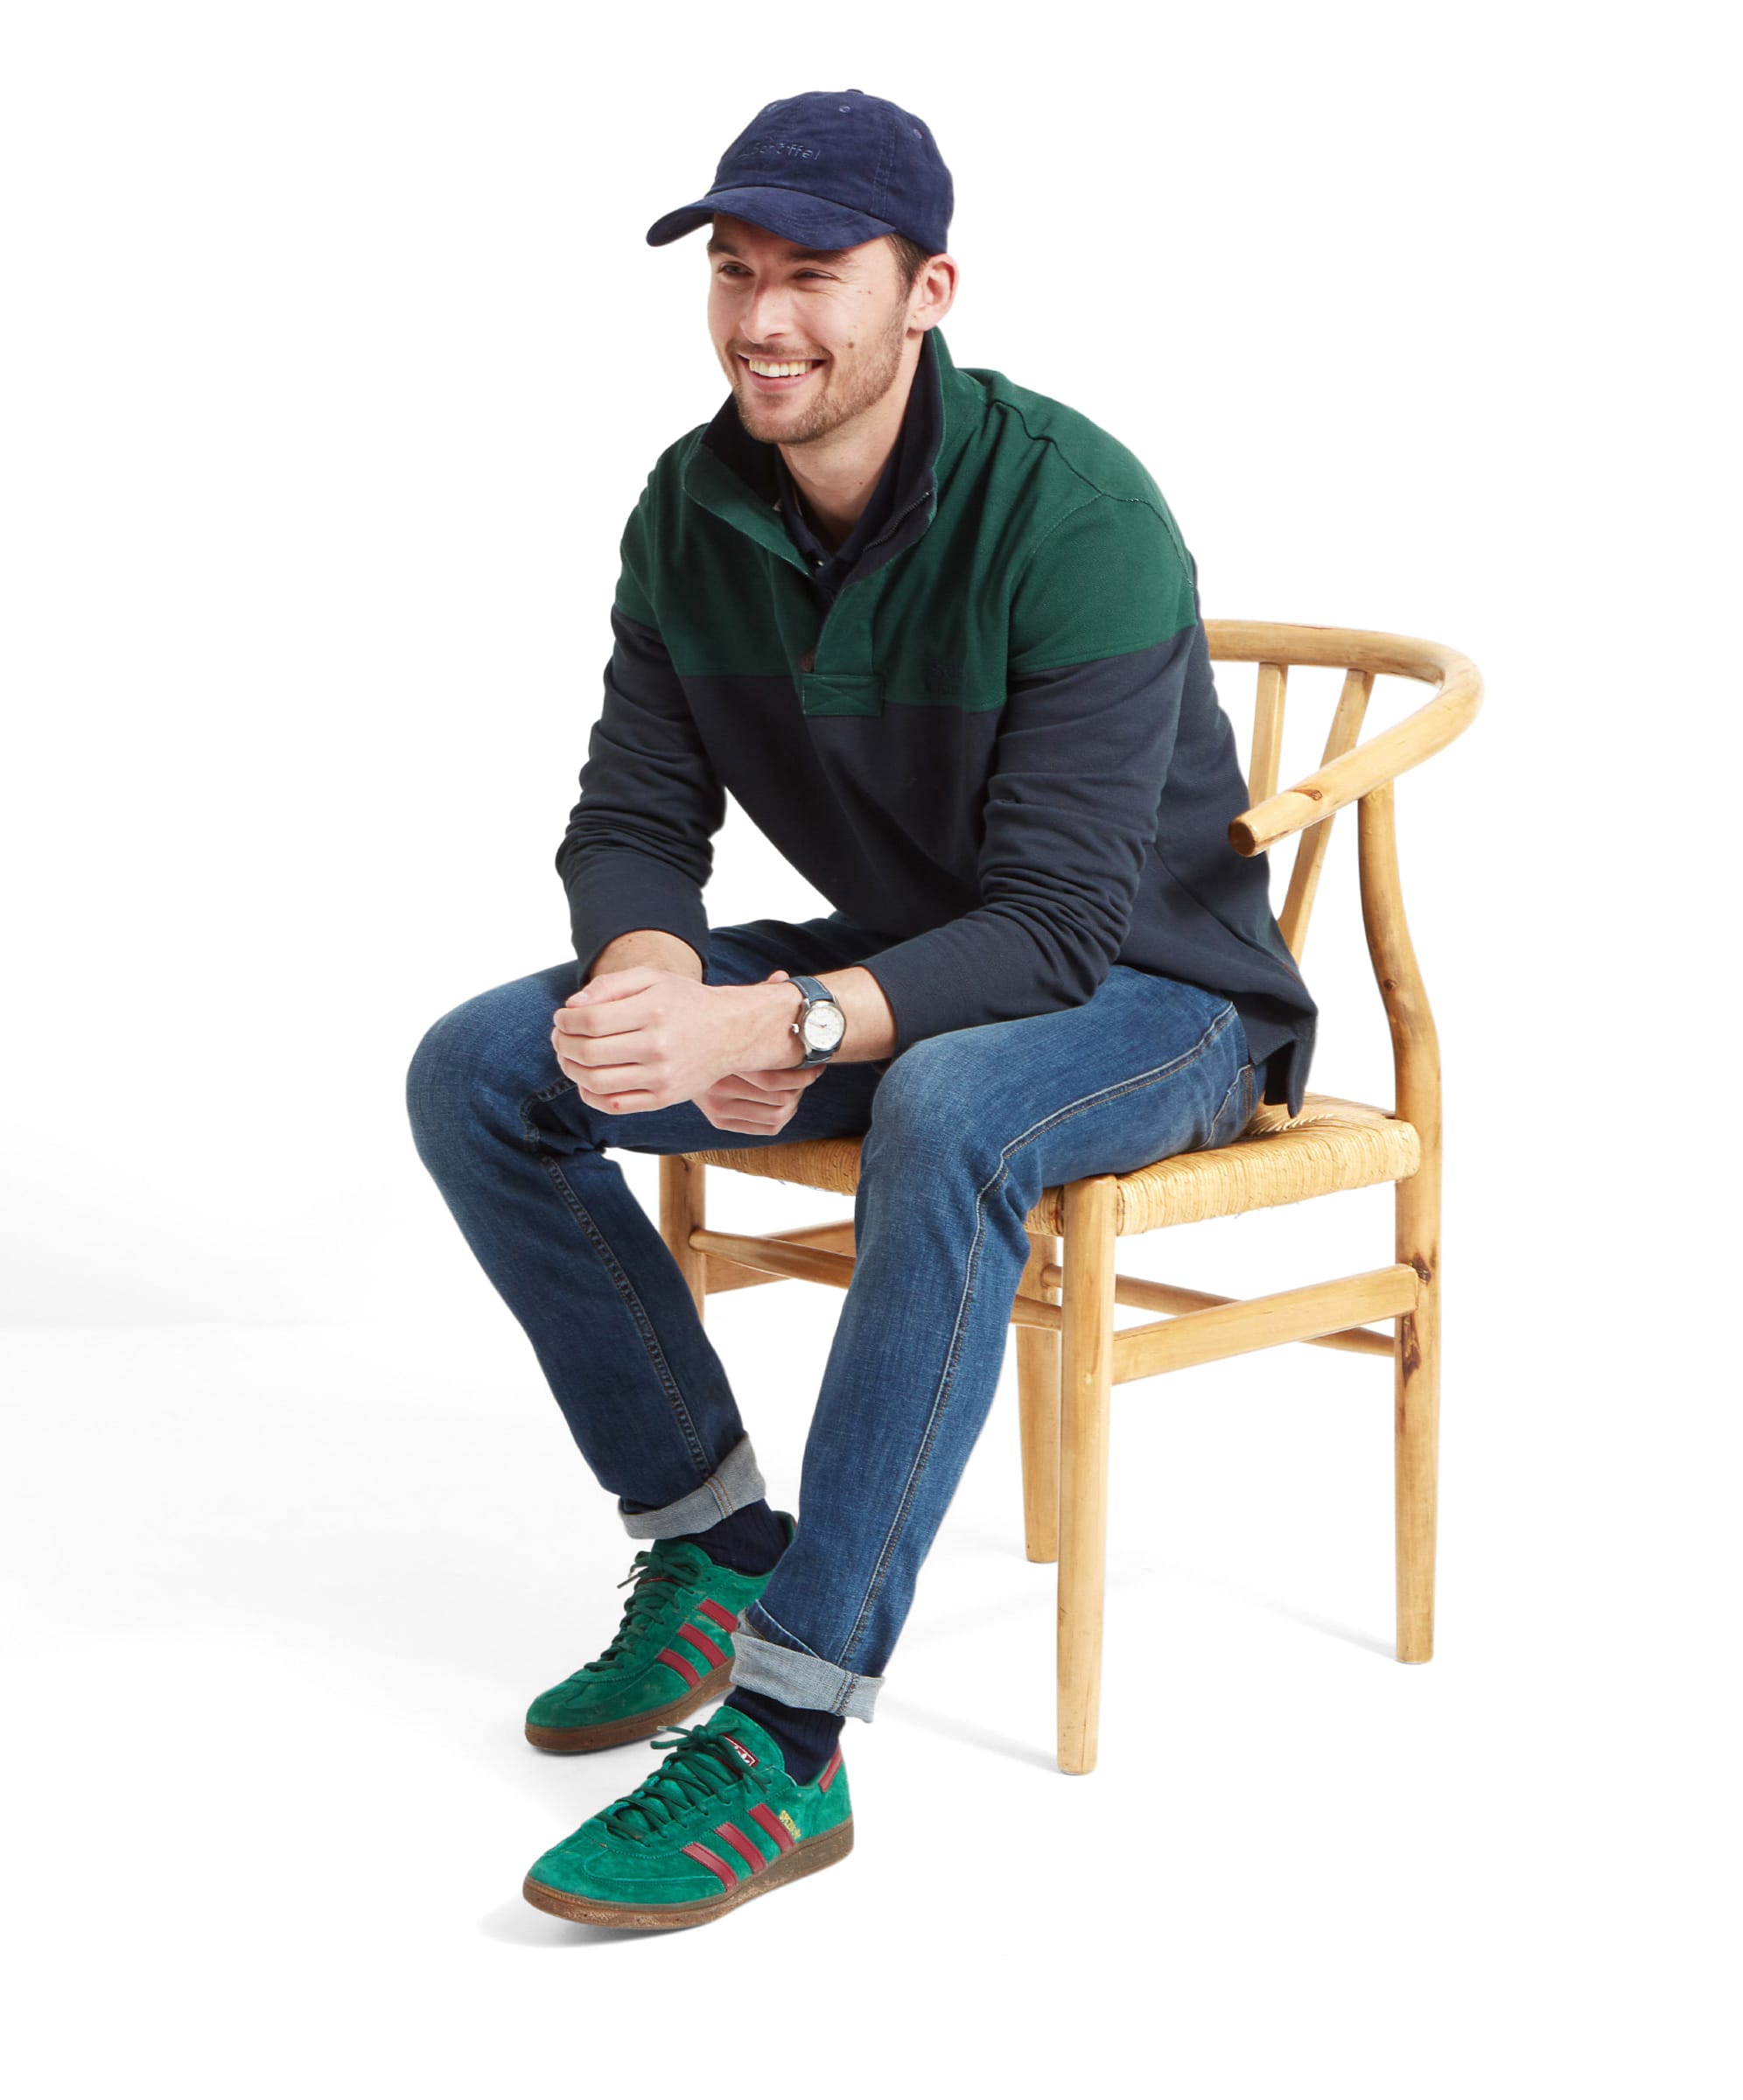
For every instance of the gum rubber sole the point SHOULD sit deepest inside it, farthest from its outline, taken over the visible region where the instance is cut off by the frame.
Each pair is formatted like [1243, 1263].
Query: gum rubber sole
[634, 1728]
[806, 1858]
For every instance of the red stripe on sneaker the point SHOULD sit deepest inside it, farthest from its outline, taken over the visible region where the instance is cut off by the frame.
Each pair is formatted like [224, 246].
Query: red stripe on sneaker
[766, 1819]
[713, 1861]
[727, 1620]
[753, 1855]
[685, 1668]
[702, 1645]
[826, 1777]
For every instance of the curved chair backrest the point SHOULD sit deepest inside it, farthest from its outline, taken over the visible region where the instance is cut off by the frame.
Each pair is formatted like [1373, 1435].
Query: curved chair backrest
[1363, 774]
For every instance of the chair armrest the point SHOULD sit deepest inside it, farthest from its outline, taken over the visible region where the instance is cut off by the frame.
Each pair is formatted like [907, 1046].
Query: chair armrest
[1382, 758]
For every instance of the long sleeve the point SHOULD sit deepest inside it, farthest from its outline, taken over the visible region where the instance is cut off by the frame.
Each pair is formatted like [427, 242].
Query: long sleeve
[1101, 631]
[638, 849]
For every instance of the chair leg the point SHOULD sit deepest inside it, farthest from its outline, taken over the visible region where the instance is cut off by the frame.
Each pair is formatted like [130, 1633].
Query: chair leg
[1038, 1411]
[1416, 1411]
[1086, 1390]
[683, 1210]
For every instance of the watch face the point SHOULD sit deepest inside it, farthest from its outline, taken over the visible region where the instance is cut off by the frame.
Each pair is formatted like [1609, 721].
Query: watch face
[825, 1026]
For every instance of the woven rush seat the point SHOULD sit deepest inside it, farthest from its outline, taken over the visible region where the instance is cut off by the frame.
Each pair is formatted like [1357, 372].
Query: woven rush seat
[1332, 1144]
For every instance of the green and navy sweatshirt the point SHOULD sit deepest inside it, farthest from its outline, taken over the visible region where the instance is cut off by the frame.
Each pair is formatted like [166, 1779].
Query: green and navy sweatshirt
[987, 728]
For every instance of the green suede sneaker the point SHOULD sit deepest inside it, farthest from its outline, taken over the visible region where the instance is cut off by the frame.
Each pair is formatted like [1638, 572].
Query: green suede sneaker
[672, 1653]
[720, 1822]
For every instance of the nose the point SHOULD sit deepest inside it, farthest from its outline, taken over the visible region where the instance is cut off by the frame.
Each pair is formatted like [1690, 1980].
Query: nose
[768, 314]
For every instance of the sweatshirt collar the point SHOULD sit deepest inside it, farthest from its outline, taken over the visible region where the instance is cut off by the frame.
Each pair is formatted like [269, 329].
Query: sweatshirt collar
[735, 475]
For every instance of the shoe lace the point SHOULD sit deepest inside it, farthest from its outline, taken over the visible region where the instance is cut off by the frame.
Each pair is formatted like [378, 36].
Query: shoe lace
[702, 1768]
[649, 1572]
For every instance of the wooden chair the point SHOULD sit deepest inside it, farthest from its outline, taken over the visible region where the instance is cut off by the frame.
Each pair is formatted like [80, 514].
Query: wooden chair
[1069, 1354]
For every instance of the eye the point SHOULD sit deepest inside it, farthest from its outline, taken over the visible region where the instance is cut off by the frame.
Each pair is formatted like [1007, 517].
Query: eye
[737, 270]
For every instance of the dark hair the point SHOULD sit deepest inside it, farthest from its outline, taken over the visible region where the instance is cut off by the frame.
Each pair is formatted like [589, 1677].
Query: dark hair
[910, 258]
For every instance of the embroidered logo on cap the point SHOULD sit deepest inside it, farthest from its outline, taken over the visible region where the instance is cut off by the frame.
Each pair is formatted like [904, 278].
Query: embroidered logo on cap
[776, 149]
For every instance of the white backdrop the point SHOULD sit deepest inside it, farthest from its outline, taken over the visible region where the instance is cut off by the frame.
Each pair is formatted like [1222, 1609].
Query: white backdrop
[334, 360]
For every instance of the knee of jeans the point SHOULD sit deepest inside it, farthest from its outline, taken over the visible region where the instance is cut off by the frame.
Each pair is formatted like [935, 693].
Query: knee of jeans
[470, 1071]
[922, 1103]
[438, 1080]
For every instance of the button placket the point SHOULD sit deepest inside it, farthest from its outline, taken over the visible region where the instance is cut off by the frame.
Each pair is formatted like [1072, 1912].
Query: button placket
[845, 636]
[837, 676]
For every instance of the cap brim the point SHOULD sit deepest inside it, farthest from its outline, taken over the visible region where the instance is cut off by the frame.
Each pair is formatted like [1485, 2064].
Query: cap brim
[812, 222]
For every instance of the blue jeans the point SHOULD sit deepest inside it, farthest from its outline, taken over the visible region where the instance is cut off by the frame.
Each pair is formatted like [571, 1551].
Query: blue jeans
[961, 1133]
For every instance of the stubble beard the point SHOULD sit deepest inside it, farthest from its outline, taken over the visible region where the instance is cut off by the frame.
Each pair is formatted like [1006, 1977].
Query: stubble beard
[871, 379]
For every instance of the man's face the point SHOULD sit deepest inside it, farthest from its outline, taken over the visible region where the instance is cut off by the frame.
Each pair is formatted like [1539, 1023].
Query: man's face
[841, 315]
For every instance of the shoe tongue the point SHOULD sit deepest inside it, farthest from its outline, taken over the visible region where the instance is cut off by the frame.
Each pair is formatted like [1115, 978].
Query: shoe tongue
[755, 1749]
[679, 1557]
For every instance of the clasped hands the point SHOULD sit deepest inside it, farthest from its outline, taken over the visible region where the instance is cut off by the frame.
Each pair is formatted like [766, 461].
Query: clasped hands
[639, 1039]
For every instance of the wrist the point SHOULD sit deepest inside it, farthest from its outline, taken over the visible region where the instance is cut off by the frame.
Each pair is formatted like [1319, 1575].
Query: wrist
[771, 1012]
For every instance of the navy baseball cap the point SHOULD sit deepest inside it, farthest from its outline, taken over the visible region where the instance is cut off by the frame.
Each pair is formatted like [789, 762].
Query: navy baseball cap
[828, 171]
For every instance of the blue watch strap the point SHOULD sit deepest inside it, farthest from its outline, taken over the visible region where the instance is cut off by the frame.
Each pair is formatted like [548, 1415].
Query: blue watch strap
[814, 991]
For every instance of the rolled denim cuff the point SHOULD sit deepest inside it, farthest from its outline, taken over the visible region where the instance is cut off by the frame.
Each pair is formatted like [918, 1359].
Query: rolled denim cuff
[764, 1661]
[734, 1482]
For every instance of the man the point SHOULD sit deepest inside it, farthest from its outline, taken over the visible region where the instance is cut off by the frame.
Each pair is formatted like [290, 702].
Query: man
[941, 637]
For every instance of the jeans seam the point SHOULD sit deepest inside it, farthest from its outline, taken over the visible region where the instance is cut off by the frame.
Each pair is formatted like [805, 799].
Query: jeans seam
[789, 1633]
[947, 1374]
[621, 1279]
[1234, 1089]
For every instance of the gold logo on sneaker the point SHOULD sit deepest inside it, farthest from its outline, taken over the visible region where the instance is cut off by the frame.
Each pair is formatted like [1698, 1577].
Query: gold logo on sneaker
[788, 1821]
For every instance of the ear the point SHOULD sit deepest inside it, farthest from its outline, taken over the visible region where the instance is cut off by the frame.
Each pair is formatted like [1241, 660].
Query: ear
[934, 292]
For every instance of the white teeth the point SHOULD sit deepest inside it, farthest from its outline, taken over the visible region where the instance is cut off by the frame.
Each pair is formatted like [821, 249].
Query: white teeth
[765, 370]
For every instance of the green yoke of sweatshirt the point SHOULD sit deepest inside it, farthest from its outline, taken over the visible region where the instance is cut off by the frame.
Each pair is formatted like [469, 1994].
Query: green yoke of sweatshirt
[995, 741]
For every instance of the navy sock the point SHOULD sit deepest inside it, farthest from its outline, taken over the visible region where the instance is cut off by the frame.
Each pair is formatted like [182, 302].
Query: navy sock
[807, 1735]
[749, 1541]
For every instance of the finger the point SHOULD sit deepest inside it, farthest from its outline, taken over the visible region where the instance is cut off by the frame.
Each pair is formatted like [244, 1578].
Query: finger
[754, 1086]
[607, 1079]
[786, 1079]
[749, 1125]
[614, 1017]
[622, 1090]
[601, 1017]
[612, 984]
[623, 1104]
[587, 1053]
[732, 1104]
[738, 1086]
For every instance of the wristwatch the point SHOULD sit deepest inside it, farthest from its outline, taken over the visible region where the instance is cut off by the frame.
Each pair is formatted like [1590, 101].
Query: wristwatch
[821, 1025]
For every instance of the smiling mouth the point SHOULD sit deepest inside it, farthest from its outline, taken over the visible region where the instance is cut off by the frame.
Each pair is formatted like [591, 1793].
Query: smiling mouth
[780, 374]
